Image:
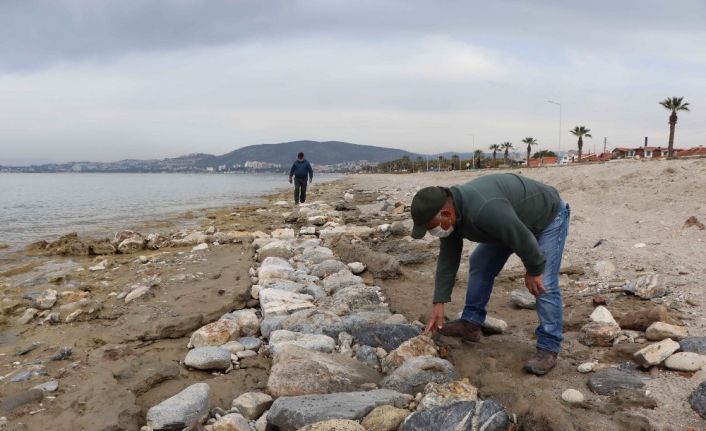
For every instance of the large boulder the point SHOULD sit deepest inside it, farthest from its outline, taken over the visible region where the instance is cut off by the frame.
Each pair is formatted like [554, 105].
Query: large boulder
[275, 267]
[420, 345]
[350, 299]
[315, 321]
[246, 319]
[463, 415]
[328, 267]
[341, 279]
[215, 334]
[414, 374]
[175, 413]
[317, 342]
[293, 413]
[275, 302]
[387, 336]
[298, 371]
[208, 358]
[608, 381]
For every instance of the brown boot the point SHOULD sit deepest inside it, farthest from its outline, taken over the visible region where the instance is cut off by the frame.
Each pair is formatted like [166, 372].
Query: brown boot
[467, 331]
[542, 363]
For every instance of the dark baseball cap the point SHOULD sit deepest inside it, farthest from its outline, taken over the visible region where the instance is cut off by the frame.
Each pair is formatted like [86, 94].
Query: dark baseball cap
[425, 205]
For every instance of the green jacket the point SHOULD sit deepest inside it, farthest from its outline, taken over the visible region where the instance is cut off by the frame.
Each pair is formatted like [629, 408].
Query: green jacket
[504, 209]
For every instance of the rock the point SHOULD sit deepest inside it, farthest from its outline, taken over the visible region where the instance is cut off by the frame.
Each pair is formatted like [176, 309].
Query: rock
[142, 374]
[420, 345]
[49, 386]
[586, 367]
[693, 344]
[356, 267]
[277, 248]
[368, 356]
[647, 287]
[292, 413]
[599, 300]
[389, 337]
[685, 361]
[604, 268]
[276, 283]
[334, 425]
[45, 300]
[611, 380]
[132, 244]
[641, 320]
[399, 228]
[138, 292]
[215, 334]
[307, 230]
[436, 395]
[231, 422]
[100, 267]
[693, 221]
[384, 418]
[261, 423]
[277, 302]
[697, 400]
[348, 197]
[463, 415]
[345, 343]
[572, 396]
[660, 330]
[271, 324]
[188, 406]
[350, 299]
[245, 354]
[200, 247]
[341, 279]
[317, 254]
[602, 315]
[598, 334]
[315, 291]
[493, 325]
[318, 220]
[252, 404]
[283, 233]
[329, 267]
[250, 343]
[521, 298]
[27, 316]
[208, 358]
[315, 321]
[275, 267]
[246, 319]
[297, 371]
[319, 343]
[655, 353]
[412, 376]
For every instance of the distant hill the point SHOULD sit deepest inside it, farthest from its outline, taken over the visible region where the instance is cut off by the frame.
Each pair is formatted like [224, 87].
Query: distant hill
[320, 153]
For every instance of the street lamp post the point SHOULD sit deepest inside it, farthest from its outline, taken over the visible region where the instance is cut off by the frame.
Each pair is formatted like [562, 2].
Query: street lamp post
[559, 104]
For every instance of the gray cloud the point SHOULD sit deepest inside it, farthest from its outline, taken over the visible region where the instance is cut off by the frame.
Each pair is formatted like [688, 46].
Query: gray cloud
[105, 80]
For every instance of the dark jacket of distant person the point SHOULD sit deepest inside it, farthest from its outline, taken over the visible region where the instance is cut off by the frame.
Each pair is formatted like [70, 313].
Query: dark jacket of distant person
[301, 169]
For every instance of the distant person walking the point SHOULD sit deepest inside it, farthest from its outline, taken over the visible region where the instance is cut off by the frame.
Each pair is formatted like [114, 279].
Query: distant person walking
[301, 169]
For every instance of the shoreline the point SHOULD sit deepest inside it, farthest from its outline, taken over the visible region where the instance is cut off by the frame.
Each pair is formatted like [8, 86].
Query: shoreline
[145, 340]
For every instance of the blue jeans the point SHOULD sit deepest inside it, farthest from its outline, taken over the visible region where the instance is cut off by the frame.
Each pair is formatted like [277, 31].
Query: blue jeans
[487, 260]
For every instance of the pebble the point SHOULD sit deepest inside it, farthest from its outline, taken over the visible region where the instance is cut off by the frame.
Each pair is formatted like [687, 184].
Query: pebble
[586, 367]
[572, 396]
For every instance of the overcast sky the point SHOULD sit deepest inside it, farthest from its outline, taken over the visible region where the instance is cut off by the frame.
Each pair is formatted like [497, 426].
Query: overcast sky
[106, 80]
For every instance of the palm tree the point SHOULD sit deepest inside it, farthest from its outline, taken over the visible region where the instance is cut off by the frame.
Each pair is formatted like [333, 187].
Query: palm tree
[674, 104]
[495, 148]
[529, 141]
[507, 146]
[477, 154]
[581, 131]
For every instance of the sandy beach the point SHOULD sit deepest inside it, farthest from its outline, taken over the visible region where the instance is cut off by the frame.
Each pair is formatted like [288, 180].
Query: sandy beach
[627, 224]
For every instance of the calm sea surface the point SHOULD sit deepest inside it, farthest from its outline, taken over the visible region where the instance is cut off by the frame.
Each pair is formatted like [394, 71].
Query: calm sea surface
[43, 206]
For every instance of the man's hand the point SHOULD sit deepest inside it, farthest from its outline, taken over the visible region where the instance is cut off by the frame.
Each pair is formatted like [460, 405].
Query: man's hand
[534, 284]
[436, 319]
[290, 180]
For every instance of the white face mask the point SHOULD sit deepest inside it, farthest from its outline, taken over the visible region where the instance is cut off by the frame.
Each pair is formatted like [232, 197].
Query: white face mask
[440, 232]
